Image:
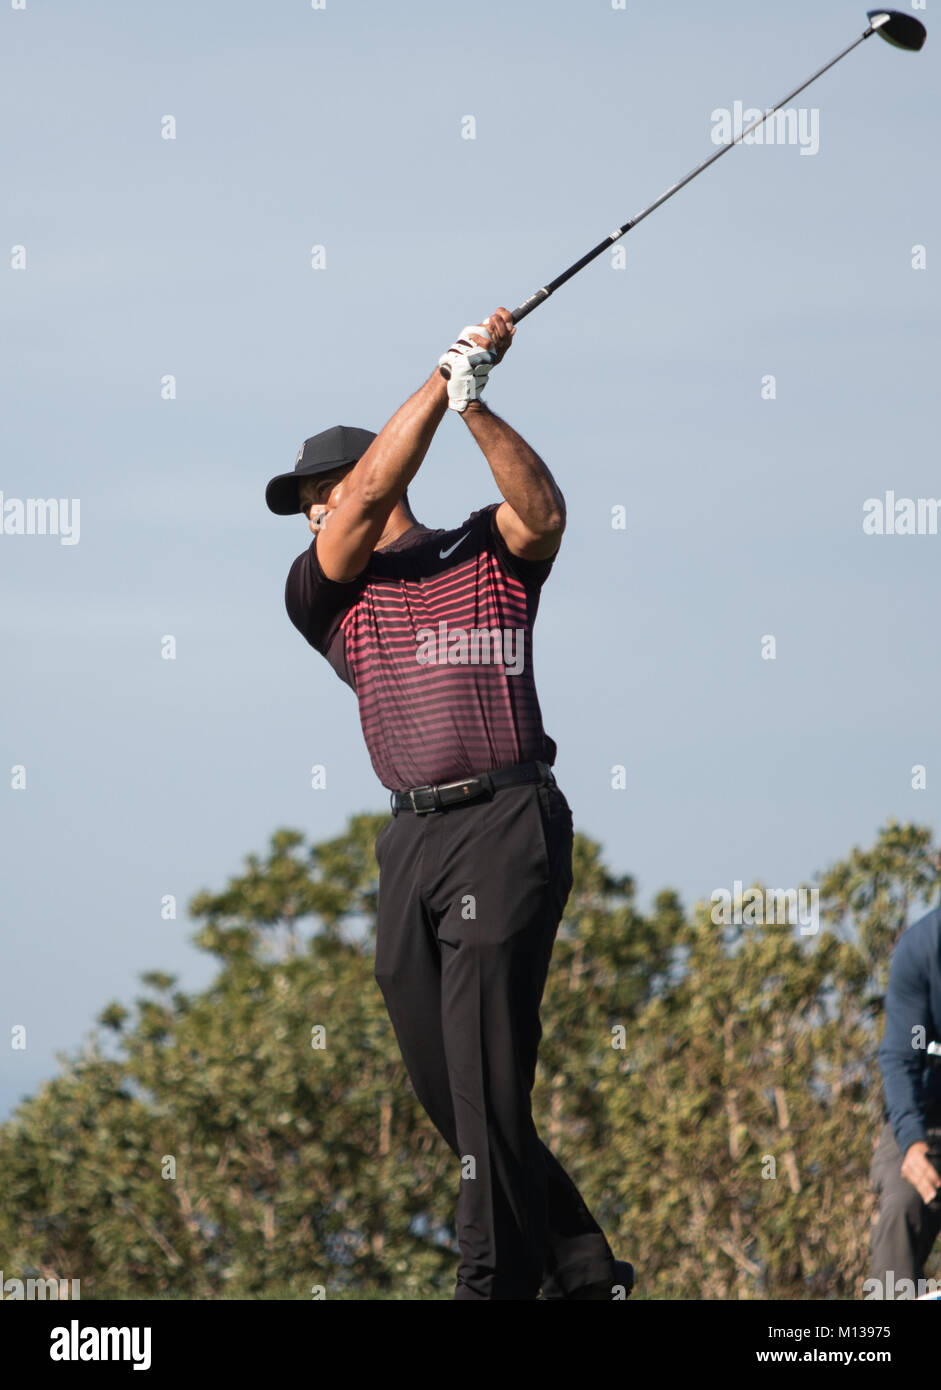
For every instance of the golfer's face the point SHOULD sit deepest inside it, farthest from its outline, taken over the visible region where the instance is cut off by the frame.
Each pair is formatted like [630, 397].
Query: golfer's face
[319, 497]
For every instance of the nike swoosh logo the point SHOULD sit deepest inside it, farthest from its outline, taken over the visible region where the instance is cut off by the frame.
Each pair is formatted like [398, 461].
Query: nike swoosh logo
[443, 554]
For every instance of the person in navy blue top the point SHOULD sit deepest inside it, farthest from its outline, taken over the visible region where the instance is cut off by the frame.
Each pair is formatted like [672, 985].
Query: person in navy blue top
[906, 1167]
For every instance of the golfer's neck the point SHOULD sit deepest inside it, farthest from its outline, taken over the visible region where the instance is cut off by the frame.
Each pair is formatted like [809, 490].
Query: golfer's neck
[399, 522]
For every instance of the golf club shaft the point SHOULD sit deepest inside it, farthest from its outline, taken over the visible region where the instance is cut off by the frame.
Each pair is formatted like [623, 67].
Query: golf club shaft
[541, 295]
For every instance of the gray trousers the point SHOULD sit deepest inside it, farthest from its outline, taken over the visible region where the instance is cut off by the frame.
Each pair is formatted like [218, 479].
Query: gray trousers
[905, 1228]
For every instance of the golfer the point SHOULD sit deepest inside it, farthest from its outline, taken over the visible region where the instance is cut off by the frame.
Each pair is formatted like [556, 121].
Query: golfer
[432, 629]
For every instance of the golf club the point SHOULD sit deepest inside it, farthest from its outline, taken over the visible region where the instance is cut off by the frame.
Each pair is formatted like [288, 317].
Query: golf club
[901, 30]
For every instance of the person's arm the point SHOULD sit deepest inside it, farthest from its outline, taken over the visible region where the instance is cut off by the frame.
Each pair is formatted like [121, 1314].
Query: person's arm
[907, 1006]
[371, 489]
[532, 517]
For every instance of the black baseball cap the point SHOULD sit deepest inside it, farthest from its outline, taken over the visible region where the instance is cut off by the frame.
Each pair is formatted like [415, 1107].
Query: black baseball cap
[322, 454]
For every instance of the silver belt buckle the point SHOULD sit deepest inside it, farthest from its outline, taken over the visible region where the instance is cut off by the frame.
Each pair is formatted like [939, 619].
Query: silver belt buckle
[424, 810]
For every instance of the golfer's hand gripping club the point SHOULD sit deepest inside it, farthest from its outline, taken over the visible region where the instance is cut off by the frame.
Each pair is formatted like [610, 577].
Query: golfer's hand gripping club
[465, 367]
[466, 364]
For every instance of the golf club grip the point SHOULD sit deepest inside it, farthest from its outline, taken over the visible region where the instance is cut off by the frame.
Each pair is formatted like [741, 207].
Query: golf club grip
[528, 305]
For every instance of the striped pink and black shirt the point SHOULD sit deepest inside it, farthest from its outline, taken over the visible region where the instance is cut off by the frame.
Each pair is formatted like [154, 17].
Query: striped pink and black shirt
[435, 638]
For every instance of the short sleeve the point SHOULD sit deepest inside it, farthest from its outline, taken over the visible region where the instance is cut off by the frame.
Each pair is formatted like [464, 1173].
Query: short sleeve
[316, 605]
[532, 573]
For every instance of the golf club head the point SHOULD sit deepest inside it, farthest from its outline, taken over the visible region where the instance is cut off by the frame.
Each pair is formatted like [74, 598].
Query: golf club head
[902, 30]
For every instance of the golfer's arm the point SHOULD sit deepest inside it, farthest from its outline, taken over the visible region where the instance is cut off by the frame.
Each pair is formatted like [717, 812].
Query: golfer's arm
[907, 1009]
[375, 485]
[532, 518]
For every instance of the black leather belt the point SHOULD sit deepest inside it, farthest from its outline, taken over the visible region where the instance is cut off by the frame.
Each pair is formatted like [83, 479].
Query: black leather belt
[421, 800]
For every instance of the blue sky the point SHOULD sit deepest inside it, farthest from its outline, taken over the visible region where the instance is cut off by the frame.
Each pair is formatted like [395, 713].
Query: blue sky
[640, 387]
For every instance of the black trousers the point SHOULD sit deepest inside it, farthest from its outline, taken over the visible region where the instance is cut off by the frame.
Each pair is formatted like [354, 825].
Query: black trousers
[906, 1228]
[470, 899]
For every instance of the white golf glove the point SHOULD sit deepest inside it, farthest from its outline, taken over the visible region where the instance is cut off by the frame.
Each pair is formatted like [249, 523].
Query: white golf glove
[469, 366]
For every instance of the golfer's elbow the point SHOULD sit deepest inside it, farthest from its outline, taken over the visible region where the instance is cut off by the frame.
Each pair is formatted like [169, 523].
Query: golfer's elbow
[553, 522]
[541, 533]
